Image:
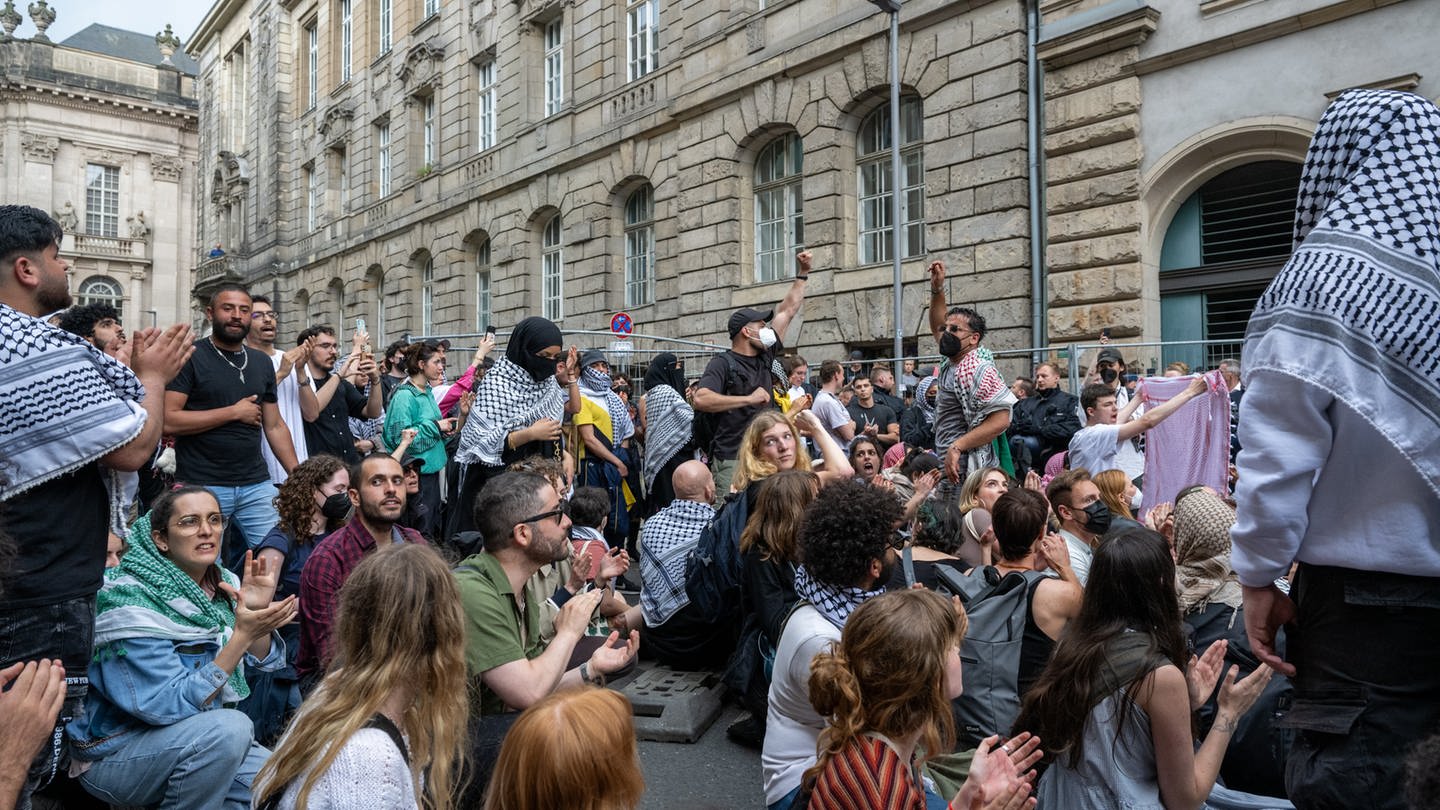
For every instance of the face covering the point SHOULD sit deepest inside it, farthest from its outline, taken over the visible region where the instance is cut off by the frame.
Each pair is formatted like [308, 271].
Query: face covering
[950, 345]
[1135, 501]
[336, 507]
[767, 337]
[1109, 375]
[1097, 518]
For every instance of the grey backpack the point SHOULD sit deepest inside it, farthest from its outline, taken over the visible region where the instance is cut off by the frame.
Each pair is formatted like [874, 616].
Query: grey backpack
[990, 655]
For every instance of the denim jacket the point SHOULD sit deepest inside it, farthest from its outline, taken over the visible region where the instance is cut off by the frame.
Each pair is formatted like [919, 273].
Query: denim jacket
[141, 682]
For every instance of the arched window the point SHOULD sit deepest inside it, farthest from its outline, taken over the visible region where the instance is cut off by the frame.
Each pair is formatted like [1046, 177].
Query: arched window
[640, 247]
[1224, 244]
[101, 290]
[872, 153]
[376, 279]
[552, 271]
[337, 305]
[427, 296]
[779, 207]
[484, 307]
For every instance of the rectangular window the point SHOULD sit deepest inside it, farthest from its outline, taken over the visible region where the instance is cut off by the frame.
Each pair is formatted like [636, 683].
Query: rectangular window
[484, 308]
[554, 66]
[427, 132]
[342, 177]
[427, 298]
[552, 272]
[237, 105]
[382, 152]
[312, 198]
[779, 207]
[386, 24]
[642, 24]
[312, 65]
[102, 200]
[488, 103]
[346, 23]
[432, 7]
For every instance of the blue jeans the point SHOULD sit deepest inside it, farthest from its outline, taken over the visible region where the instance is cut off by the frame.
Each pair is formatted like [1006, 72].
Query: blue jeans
[63, 631]
[207, 760]
[251, 507]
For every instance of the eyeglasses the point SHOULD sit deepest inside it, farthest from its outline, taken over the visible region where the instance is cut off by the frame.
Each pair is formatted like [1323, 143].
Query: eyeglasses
[955, 330]
[262, 316]
[190, 524]
[897, 540]
[561, 510]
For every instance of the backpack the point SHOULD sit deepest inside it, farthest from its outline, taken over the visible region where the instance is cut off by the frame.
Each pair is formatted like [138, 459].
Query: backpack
[713, 566]
[702, 429]
[990, 654]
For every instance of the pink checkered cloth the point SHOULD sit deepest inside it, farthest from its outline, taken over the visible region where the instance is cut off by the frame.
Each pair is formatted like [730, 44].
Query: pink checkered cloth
[1192, 446]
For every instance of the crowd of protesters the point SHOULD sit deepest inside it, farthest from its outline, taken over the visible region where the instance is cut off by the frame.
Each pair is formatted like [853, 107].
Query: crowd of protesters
[339, 580]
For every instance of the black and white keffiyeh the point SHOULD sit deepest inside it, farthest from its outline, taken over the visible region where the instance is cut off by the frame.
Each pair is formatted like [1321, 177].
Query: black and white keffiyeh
[835, 604]
[63, 404]
[1354, 311]
[927, 408]
[508, 399]
[666, 540]
[595, 385]
[669, 420]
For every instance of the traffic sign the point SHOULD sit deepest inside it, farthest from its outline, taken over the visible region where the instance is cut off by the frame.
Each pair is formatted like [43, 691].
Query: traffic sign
[621, 325]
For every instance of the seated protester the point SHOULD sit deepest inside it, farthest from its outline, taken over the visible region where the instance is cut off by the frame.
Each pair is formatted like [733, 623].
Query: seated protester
[386, 728]
[769, 554]
[848, 549]
[377, 495]
[1041, 425]
[575, 748]
[1084, 518]
[1097, 445]
[1023, 544]
[673, 633]
[313, 502]
[1117, 697]
[885, 689]
[917, 426]
[173, 632]
[934, 539]
[977, 495]
[524, 525]
[907, 478]
[865, 458]
[1210, 603]
[1120, 495]
[771, 443]
[589, 512]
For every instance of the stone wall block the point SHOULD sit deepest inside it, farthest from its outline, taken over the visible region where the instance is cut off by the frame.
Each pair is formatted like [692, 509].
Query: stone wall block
[1093, 104]
[1006, 253]
[1006, 137]
[1101, 133]
[1092, 191]
[1102, 250]
[989, 55]
[1122, 318]
[1101, 221]
[1112, 157]
[987, 170]
[988, 113]
[986, 227]
[999, 196]
[1007, 78]
[997, 20]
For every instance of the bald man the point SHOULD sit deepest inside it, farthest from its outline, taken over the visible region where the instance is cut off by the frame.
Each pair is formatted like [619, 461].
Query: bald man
[665, 543]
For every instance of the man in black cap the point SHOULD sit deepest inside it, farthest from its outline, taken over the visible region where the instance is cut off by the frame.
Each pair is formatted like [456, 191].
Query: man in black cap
[736, 384]
[856, 366]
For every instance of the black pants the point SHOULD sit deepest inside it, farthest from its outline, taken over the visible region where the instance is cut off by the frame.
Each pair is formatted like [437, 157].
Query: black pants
[1366, 650]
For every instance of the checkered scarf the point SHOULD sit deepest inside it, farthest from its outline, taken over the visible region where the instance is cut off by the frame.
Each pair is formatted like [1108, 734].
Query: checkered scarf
[927, 409]
[147, 596]
[834, 603]
[670, 420]
[1354, 310]
[1202, 552]
[63, 404]
[507, 400]
[595, 385]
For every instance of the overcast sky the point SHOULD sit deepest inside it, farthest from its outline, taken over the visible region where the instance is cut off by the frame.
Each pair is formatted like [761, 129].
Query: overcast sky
[145, 16]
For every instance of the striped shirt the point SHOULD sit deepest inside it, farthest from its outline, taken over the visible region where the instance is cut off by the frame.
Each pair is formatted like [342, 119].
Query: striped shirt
[867, 774]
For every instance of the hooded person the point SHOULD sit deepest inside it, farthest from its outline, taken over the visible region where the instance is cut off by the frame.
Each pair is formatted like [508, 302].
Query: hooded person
[519, 407]
[603, 458]
[668, 421]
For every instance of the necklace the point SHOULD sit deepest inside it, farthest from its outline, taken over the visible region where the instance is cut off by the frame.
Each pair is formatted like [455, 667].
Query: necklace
[244, 359]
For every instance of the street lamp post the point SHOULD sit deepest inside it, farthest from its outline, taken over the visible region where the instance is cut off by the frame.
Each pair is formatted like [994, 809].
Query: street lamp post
[896, 182]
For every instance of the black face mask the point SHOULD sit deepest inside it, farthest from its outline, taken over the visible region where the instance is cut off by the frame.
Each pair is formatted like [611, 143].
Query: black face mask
[1109, 375]
[1097, 518]
[540, 369]
[949, 344]
[336, 507]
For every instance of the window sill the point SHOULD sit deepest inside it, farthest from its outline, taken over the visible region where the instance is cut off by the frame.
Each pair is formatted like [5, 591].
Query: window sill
[425, 23]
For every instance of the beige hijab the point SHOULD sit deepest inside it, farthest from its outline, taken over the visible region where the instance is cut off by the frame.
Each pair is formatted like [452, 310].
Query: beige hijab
[1202, 550]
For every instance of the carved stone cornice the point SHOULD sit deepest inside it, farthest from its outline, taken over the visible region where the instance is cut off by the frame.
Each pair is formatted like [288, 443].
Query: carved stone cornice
[166, 167]
[422, 67]
[335, 123]
[39, 148]
[1097, 31]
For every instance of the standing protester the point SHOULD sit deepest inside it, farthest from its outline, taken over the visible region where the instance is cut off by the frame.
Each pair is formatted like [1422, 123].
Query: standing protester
[518, 410]
[1342, 408]
[413, 406]
[667, 420]
[219, 407]
[1097, 446]
[328, 400]
[972, 406]
[393, 369]
[605, 429]
[873, 420]
[288, 366]
[736, 383]
[917, 426]
[59, 495]
[833, 416]
[882, 379]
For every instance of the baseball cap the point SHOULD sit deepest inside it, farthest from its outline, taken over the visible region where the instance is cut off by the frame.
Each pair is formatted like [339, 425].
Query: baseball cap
[857, 355]
[591, 357]
[1112, 355]
[747, 315]
[410, 458]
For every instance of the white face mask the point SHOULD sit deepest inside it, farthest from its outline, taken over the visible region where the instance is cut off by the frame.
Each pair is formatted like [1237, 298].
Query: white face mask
[1135, 501]
[767, 337]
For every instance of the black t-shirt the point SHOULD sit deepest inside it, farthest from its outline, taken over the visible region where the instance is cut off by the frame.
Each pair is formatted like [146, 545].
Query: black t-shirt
[750, 373]
[60, 532]
[228, 455]
[882, 416]
[330, 432]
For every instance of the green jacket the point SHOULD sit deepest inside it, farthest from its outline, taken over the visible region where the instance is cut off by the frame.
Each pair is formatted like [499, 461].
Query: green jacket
[410, 407]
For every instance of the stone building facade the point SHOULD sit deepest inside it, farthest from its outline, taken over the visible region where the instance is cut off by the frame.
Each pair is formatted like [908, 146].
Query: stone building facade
[434, 165]
[1174, 133]
[101, 130]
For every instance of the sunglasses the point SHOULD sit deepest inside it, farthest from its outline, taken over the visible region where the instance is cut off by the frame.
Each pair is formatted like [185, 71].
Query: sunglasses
[562, 509]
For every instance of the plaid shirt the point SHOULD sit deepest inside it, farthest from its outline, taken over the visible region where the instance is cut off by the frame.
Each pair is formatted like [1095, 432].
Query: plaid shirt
[327, 569]
[665, 542]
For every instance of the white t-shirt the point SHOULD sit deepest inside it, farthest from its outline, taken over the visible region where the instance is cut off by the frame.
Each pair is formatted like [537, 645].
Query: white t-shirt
[1080, 556]
[792, 725]
[832, 415]
[287, 399]
[1095, 448]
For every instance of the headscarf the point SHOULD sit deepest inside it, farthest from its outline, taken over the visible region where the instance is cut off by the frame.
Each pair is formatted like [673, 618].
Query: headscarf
[595, 385]
[529, 337]
[669, 417]
[1353, 312]
[148, 596]
[927, 409]
[1202, 552]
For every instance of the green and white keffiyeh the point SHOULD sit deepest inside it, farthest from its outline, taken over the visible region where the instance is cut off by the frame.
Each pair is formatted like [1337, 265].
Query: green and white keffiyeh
[148, 596]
